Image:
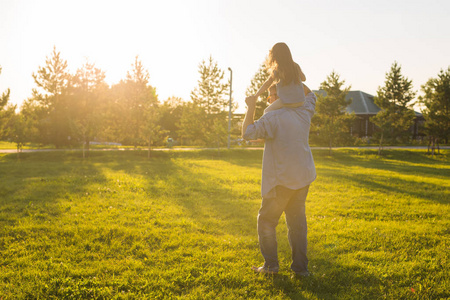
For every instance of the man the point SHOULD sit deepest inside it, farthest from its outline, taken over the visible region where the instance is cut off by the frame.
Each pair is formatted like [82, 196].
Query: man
[287, 171]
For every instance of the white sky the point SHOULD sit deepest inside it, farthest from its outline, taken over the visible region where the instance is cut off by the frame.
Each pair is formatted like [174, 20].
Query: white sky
[359, 39]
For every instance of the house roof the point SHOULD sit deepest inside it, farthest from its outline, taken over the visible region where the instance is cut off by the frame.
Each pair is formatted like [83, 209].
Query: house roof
[362, 103]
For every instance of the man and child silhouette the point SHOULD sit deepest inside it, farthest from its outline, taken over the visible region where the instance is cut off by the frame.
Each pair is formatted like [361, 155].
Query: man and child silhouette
[288, 166]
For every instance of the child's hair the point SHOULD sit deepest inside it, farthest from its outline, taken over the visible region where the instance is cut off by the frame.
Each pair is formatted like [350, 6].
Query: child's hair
[281, 66]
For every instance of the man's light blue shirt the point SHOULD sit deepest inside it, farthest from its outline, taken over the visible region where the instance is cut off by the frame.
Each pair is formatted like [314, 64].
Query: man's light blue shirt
[287, 158]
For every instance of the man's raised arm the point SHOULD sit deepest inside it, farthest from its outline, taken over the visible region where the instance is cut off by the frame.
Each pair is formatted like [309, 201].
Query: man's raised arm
[250, 114]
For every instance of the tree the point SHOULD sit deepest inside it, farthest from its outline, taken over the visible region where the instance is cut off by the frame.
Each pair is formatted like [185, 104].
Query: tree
[258, 80]
[30, 114]
[19, 131]
[155, 133]
[210, 92]
[6, 112]
[209, 97]
[52, 82]
[136, 106]
[171, 111]
[396, 115]
[192, 124]
[87, 102]
[436, 100]
[331, 121]
[22, 126]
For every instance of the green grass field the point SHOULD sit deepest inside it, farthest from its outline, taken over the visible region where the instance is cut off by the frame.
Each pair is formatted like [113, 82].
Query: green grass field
[9, 145]
[183, 225]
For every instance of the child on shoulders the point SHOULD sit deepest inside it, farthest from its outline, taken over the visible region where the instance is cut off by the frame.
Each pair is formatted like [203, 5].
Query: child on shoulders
[286, 76]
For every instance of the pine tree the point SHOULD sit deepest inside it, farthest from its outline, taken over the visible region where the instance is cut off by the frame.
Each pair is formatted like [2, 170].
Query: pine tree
[52, 82]
[136, 106]
[87, 102]
[396, 115]
[210, 92]
[6, 112]
[208, 96]
[331, 121]
[436, 100]
[258, 80]
[4, 98]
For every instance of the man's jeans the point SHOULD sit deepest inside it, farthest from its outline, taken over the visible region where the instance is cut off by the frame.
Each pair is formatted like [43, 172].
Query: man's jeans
[292, 202]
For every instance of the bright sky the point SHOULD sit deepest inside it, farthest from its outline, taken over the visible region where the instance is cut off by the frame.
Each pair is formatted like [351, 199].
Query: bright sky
[359, 39]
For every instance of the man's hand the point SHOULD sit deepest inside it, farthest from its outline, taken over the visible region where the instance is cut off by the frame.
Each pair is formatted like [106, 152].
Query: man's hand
[251, 101]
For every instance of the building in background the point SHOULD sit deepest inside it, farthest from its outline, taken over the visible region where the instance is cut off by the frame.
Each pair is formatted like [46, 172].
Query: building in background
[364, 107]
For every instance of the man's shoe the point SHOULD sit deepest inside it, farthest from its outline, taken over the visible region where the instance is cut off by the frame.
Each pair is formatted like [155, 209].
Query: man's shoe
[263, 270]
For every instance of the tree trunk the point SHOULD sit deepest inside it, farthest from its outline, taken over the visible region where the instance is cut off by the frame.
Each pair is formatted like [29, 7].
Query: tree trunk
[433, 146]
[329, 144]
[218, 145]
[380, 147]
[84, 148]
[87, 141]
[149, 146]
[437, 144]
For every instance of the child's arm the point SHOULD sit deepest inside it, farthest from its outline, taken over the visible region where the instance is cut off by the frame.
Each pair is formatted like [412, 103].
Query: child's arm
[264, 87]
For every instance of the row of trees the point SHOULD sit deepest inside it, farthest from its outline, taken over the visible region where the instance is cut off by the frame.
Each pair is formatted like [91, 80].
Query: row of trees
[72, 109]
[331, 124]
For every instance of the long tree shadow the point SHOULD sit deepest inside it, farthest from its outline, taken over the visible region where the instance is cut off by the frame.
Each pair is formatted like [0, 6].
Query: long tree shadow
[33, 185]
[404, 162]
[386, 185]
[206, 198]
[217, 201]
[209, 199]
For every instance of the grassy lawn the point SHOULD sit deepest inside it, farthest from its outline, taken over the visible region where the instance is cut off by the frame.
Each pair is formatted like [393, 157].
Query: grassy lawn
[183, 225]
[9, 145]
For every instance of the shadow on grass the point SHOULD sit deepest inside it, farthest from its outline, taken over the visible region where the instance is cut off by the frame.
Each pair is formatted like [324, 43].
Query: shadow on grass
[331, 281]
[400, 162]
[404, 162]
[388, 185]
[206, 198]
[31, 186]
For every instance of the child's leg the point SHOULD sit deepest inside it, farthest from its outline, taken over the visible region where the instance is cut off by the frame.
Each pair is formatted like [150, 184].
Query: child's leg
[294, 104]
[277, 104]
